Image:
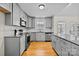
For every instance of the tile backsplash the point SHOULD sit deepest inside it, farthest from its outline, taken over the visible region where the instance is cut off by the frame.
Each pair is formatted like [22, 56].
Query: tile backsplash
[9, 30]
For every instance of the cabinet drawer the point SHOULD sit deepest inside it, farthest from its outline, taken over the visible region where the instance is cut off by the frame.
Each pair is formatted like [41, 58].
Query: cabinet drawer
[74, 49]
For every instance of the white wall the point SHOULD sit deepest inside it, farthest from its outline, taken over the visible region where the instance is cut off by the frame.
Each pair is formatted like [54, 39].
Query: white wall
[2, 21]
[68, 20]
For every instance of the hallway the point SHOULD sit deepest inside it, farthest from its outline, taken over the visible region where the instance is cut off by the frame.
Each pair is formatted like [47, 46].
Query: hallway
[40, 49]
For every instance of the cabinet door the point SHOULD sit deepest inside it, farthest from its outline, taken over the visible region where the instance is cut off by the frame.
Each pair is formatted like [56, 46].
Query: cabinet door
[12, 47]
[22, 44]
[8, 17]
[68, 45]
[16, 16]
[47, 37]
[73, 50]
[22, 15]
[58, 46]
[33, 22]
[65, 48]
[33, 36]
[40, 36]
[77, 53]
[48, 22]
[54, 41]
[29, 22]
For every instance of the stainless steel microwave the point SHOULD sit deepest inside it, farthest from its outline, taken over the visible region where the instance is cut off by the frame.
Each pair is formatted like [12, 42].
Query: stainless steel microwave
[22, 22]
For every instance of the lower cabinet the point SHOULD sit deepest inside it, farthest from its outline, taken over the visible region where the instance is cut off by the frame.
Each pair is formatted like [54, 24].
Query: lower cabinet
[73, 50]
[40, 36]
[47, 36]
[12, 46]
[64, 51]
[64, 48]
[77, 51]
[53, 38]
[22, 44]
[33, 36]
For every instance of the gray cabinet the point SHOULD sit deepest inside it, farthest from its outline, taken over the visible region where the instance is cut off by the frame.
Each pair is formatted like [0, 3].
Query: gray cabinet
[8, 19]
[48, 22]
[16, 15]
[77, 53]
[47, 37]
[73, 50]
[40, 36]
[8, 16]
[12, 46]
[64, 48]
[53, 41]
[13, 18]
[22, 44]
[30, 22]
[68, 48]
[58, 46]
[56, 43]
[33, 36]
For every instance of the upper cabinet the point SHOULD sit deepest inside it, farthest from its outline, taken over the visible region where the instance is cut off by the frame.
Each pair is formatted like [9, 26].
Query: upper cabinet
[30, 22]
[6, 7]
[48, 22]
[19, 17]
[22, 15]
[16, 15]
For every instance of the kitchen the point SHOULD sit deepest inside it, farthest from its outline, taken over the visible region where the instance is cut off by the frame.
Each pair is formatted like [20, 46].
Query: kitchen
[24, 23]
[20, 27]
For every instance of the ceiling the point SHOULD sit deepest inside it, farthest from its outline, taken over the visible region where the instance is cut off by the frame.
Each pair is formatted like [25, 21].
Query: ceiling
[51, 9]
[70, 10]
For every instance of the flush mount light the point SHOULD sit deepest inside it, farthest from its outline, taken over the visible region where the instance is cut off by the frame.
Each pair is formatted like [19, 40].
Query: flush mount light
[41, 6]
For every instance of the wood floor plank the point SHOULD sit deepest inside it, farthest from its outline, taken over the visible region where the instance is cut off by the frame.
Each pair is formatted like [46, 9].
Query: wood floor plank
[40, 49]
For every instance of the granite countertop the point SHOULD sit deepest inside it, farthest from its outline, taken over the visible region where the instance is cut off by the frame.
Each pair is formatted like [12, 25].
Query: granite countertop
[12, 36]
[76, 42]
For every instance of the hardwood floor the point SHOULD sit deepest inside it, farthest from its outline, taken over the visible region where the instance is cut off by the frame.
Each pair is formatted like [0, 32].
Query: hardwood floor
[40, 49]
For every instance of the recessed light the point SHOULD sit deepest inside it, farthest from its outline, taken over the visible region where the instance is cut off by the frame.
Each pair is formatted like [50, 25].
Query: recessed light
[41, 6]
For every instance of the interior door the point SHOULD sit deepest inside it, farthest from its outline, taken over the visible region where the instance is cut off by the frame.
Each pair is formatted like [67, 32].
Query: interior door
[40, 36]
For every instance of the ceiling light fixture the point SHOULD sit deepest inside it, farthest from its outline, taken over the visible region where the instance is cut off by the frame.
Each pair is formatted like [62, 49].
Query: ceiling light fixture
[41, 6]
